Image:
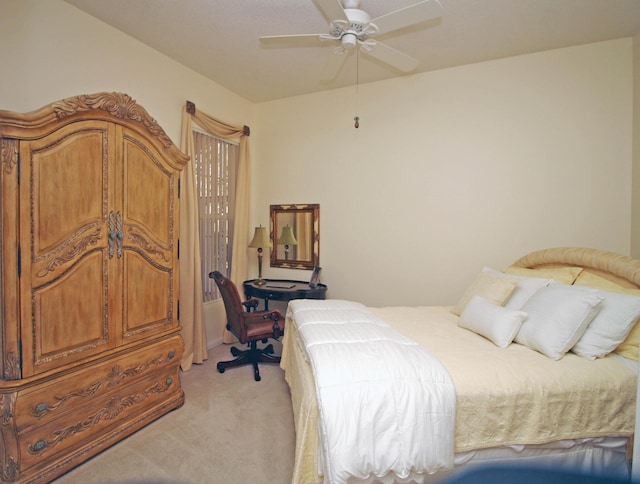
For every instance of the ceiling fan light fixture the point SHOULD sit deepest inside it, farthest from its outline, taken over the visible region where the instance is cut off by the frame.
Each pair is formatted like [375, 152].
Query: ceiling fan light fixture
[349, 41]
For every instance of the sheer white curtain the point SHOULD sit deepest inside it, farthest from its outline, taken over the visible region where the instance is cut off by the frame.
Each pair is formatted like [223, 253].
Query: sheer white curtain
[191, 308]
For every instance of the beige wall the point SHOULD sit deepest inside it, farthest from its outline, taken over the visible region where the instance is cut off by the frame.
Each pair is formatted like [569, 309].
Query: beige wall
[635, 200]
[449, 170]
[454, 169]
[52, 50]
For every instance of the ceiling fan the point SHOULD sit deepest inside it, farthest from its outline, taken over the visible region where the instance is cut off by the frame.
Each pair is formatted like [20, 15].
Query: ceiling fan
[352, 28]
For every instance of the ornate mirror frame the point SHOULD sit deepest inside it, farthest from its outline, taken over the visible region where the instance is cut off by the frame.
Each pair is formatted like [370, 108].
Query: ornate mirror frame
[303, 251]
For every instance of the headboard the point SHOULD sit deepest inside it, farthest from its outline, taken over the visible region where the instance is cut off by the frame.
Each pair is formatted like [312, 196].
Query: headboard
[621, 269]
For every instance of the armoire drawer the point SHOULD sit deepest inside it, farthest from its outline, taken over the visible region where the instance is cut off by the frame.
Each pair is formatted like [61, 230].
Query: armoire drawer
[97, 416]
[68, 393]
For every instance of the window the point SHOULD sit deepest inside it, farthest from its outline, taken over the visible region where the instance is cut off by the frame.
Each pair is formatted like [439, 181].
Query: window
[215, 165]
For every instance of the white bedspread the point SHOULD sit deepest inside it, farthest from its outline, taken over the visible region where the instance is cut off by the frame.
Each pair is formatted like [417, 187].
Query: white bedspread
[385, 402]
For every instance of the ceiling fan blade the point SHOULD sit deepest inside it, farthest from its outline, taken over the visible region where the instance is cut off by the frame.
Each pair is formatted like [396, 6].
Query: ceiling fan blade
[332, 9]
[413, 14]
[391, 56]
[333, 66]
[303, 40]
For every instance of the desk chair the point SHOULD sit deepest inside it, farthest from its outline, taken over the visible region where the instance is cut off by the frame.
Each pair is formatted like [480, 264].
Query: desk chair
[249, 327]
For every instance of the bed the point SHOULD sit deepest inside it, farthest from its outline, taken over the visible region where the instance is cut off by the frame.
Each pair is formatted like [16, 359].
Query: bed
[521, 397]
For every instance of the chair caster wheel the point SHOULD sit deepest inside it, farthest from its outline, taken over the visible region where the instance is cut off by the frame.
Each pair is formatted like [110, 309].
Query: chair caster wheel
[220, 370]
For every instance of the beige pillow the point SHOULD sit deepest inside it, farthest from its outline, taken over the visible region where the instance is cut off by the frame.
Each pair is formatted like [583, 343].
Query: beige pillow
[630, 347]
[598, 282]
[527, 287]
[565, 275]
[492, 287]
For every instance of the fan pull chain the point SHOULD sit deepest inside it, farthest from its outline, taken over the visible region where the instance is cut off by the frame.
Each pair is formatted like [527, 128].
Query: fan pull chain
[356, 120]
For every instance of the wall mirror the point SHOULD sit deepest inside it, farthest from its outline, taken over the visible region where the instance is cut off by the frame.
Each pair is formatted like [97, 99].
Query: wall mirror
[295, 236]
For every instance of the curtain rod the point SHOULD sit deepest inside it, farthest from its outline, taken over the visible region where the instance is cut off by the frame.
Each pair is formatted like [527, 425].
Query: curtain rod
[191, 109]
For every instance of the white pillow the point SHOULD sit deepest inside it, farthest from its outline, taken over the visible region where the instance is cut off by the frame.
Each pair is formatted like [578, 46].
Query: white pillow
[498, 324]
[617, 316]
[527, 287]
[558, 316]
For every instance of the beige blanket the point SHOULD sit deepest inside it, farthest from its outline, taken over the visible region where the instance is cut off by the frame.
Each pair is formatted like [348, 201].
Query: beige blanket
[506, 396]
[516, 395]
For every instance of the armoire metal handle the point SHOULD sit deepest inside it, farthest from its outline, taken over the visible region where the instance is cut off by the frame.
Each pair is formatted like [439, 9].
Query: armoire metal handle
[119, 234]
[115, 233]
[112, 234]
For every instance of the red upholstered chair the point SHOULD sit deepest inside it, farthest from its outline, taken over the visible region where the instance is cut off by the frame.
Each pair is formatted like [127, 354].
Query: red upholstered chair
[248, 327]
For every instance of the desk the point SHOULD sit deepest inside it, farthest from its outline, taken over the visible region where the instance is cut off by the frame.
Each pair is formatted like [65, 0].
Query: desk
[282, 290]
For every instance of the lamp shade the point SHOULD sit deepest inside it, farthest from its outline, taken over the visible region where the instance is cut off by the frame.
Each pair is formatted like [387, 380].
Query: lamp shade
[260, 238]
[287, 237]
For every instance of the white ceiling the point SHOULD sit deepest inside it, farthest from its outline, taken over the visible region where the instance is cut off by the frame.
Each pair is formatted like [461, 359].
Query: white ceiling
[219, 38]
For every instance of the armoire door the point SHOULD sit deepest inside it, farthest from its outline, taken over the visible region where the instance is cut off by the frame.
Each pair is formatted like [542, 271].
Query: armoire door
[147, 206]
[65, 257]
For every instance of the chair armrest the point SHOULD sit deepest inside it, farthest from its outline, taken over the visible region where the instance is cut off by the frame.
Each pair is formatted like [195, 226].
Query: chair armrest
[274, 315]
[250, 304]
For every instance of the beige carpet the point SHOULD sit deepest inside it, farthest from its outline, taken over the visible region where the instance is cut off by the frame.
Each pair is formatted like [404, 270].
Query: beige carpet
[231, 429]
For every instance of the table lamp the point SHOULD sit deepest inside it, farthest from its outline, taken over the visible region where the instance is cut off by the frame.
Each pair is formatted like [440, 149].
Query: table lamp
[287, 238]
[260, 240]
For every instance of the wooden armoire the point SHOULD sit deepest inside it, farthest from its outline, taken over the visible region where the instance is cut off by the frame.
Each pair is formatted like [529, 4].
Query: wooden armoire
[89, 310]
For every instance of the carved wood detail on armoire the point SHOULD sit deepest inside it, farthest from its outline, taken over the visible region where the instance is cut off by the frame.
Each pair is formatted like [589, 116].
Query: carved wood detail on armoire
[90, 343]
